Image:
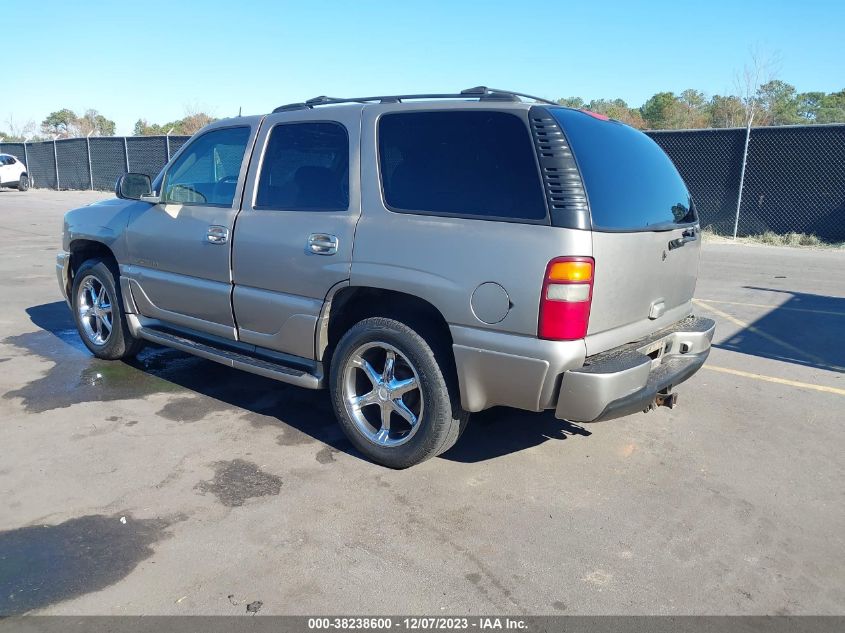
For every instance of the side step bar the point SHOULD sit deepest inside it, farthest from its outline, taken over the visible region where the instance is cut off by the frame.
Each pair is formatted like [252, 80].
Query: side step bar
[268, 369]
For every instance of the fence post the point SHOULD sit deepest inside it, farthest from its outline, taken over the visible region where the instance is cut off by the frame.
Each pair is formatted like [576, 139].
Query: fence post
[742, 177]
[126, 153]
[167, 140]
[90, 168]
[56, 162]
[26, 160]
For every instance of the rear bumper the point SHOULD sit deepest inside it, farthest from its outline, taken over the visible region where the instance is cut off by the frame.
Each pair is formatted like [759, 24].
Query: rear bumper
[627, 379]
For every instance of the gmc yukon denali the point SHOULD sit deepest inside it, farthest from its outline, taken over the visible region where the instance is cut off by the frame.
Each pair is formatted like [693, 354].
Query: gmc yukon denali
[420, 256]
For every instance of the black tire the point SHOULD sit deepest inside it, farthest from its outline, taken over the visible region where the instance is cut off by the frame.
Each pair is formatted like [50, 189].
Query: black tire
[119, 344]
[441, 421]
[23, 183]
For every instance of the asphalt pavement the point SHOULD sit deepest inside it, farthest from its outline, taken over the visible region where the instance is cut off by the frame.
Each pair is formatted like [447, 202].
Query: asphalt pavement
[173, 485]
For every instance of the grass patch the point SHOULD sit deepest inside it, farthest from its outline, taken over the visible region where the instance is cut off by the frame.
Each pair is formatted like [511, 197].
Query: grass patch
[770, 238]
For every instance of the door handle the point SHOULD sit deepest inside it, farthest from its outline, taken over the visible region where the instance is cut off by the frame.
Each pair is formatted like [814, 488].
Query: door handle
[217, 234]
[323, 243]
[690, 235]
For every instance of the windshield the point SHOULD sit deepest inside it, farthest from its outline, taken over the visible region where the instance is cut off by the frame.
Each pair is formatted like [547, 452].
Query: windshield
[631, 183]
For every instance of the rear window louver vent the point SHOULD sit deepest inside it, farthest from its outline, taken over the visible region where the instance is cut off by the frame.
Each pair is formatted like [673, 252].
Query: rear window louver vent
[562, 182]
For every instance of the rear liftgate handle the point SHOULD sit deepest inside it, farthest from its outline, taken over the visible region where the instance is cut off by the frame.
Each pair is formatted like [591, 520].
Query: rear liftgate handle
[690, 235]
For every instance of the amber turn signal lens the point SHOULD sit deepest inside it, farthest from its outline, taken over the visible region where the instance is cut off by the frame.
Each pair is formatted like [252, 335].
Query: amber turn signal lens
[571, 271]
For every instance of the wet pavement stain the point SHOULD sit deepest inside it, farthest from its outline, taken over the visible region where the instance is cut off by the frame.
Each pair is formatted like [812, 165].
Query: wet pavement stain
[188, 409]
[78, 377]
[293, 437]
[326, 455]
[44, 564]
[238, 480]
[199, 387]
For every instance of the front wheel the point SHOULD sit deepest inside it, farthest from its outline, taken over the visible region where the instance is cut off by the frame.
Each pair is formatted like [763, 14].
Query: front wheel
[23, 183]
[98, 312]
[391, 395]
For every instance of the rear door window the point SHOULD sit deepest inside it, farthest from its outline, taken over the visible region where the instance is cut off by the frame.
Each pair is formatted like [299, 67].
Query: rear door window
[460, 163]
[631, 183]
[305, 168]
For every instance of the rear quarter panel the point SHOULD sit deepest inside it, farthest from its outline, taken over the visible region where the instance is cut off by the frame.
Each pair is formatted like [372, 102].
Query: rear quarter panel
[443, 260]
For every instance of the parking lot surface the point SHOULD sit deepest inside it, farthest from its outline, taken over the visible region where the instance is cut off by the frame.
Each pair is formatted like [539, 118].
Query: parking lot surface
[173, 485]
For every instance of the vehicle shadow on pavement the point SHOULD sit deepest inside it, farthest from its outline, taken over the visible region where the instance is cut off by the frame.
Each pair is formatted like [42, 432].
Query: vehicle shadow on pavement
[500, 431]
[201, 387]
[806, 329]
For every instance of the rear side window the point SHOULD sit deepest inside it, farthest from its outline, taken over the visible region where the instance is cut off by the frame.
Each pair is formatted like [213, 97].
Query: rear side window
[631, 183]
[306, 168]
[460, 163]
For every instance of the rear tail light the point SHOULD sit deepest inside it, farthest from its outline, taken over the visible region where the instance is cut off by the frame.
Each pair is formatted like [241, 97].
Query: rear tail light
[566, 297]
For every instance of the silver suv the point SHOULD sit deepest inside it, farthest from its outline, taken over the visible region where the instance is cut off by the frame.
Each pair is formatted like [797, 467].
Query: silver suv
[421, 256]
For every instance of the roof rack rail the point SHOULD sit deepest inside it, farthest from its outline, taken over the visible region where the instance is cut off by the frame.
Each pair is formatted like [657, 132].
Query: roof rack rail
[482, 93]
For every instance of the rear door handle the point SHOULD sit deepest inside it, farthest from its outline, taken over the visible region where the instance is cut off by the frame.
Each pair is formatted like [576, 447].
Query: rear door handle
[690, 235]
[217, 234]
[323, 243]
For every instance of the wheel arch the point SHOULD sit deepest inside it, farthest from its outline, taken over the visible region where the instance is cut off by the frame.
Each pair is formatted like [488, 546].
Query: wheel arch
[347, 305]
[81, 250]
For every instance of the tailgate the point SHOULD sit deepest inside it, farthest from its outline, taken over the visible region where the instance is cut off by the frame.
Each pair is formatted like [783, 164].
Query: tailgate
[644, 228]
[642, 284]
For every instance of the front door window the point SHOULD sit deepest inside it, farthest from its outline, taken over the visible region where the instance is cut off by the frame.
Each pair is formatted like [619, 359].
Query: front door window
[207, 171]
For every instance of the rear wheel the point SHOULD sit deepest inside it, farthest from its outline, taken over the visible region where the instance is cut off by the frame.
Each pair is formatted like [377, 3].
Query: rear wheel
[391, 395]
[23, 183]
[98, 312]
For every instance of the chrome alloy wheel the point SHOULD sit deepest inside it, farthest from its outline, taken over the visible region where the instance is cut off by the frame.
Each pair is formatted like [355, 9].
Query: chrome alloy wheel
[94, 306]
[387, 405]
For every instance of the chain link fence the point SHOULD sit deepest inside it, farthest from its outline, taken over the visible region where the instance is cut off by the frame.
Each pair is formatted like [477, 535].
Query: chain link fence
[794, 176]
[93, 163]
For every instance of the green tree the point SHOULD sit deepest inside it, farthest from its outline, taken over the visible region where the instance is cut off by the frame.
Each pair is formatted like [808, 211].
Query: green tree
[778, 103]
[689, 111]
[725, 111]
[807, 105]
[572, 102]
[617, 109]
[61, 123]
[94, 123]
[189, 124]
[143, 128]
[658, 110]
[832, 109]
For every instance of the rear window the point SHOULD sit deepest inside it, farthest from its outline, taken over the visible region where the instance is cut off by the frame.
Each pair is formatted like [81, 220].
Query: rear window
[631, 183]
[460, 163]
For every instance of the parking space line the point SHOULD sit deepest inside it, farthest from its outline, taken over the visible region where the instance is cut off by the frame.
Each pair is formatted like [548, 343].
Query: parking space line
[769, 337]
[780, 381]
[763, 305]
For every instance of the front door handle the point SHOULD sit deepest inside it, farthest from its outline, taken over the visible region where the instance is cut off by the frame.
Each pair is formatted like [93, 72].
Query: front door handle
[217, 234]
[323, 243]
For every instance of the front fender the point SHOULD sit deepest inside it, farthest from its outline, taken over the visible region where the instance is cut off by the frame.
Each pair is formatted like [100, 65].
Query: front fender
[104, 222]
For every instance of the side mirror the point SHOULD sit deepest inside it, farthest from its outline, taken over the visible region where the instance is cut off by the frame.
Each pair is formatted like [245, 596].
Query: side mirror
[133, 186]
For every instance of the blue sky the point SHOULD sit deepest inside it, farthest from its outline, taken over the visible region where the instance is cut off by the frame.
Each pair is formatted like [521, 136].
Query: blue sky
[155, 59]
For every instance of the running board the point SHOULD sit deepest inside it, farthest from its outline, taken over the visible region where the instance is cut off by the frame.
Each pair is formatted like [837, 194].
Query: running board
[268, 369]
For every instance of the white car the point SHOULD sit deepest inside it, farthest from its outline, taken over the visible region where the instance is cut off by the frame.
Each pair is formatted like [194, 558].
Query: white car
[13, 173]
